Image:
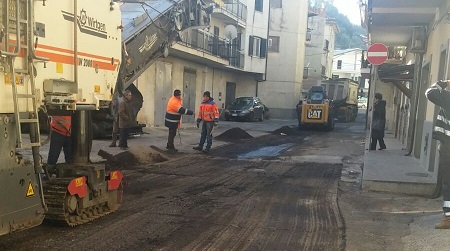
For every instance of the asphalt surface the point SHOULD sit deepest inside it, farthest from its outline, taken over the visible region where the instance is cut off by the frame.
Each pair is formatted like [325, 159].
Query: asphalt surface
[273, 192]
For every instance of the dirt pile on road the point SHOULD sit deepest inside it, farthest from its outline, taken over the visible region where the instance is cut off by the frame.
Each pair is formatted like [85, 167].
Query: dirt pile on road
[133, 157]
[235, 133]
[285, 130]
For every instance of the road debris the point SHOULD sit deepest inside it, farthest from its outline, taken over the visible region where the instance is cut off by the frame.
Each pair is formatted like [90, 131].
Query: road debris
[235, 133]
[285, 130]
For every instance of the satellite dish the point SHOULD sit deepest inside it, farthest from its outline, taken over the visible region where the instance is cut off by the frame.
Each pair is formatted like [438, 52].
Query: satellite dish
[231, 32]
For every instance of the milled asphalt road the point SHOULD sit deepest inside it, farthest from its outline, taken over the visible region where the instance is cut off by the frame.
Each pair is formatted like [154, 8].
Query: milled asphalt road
[274, 192]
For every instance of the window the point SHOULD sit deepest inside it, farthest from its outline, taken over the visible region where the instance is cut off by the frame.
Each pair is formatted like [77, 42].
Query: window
[276, 4]
[339, 64]
[327, 44]
[257, 47]
[335, 76]
[259, 5]
[274, 44]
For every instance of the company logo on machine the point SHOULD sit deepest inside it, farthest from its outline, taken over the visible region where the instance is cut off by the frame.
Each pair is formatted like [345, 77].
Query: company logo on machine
[314, 114]
[149, 42]
[87, 24]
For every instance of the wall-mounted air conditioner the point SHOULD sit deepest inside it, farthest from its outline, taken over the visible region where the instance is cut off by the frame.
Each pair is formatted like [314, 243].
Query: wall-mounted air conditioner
[418, 40]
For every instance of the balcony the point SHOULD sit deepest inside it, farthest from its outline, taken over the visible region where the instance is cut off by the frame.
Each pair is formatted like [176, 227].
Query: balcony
[233, 13]
[214, 45]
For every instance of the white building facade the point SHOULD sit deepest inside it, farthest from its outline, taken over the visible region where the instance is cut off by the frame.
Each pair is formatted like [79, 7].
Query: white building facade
[281, 89]
[319, 50]
[228, 64]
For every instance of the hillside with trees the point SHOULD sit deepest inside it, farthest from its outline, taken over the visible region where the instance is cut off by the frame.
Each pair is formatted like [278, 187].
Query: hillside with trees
[351, 35]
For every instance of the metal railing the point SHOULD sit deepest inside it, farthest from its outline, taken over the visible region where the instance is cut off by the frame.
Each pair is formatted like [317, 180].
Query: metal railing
[214, 45]
[238, 10]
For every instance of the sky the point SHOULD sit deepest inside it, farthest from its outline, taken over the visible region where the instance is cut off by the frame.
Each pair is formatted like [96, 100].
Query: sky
[349, 8]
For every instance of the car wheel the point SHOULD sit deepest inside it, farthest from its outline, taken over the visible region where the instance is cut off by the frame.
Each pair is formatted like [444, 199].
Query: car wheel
[261, 118]
[227, 118]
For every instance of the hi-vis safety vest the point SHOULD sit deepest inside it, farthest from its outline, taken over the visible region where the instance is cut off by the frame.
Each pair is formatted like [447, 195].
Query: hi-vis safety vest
[441, 97]
[173, 112]
[209, 112]
[61, 125]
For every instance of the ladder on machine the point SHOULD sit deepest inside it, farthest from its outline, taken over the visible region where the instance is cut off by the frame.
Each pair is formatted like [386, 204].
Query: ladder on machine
[17, 25]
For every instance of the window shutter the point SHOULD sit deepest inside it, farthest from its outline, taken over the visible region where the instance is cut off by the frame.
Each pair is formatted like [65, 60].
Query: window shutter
[250, 46]
[263, 48]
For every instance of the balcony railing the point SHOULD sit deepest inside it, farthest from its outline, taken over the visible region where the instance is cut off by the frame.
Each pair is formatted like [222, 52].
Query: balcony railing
[214, 45]
[238, 10]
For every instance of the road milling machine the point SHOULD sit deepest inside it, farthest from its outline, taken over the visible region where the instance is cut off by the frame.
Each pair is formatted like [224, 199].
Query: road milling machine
[70, 57]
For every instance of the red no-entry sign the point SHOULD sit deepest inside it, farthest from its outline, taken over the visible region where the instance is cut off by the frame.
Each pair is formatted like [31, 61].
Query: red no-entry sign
[377, 54]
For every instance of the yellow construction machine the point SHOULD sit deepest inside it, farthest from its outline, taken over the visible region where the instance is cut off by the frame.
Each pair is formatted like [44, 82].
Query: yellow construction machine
[315, 110]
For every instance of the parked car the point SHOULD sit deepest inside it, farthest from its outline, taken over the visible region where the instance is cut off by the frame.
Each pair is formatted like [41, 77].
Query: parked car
[246, 108]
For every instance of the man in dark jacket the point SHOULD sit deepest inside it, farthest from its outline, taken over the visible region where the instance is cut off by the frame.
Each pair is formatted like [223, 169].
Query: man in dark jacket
[378, 122]
[115, 130]
[126, 119]
[439, 96]
[173, 117]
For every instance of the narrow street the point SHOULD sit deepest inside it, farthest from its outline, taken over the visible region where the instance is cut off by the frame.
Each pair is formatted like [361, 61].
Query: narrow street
[274, 192]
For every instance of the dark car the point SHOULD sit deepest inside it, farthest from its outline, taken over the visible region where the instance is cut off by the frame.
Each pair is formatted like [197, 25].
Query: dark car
[246, 108]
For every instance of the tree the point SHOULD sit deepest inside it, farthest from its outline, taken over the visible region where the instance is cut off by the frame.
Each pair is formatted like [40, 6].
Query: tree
[350, 34]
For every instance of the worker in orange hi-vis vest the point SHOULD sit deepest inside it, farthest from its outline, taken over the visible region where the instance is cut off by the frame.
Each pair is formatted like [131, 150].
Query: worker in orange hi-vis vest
[60, 127]
[173, 117]
[209, 115]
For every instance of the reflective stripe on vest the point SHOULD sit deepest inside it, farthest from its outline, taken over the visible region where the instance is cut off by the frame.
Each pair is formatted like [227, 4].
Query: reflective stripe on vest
[61, 124]
[208, 112]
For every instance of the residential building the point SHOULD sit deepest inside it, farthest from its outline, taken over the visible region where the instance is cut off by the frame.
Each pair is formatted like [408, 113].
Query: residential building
[228, 59]
[418, 40]
[287, 35]
[347, 64]
[319, 50]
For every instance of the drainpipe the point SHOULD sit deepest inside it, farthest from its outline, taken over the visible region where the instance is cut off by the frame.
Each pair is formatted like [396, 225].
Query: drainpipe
[267, 56]
[414, 102]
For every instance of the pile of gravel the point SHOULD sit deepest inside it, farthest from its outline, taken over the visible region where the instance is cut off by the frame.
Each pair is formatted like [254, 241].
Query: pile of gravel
[285, 130]
[132, 157]
[235, 133]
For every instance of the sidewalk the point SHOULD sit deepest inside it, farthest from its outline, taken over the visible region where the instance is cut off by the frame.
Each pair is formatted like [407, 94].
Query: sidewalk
[391, 171]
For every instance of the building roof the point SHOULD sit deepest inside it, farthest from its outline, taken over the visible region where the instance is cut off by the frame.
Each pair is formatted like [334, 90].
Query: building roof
[342, 52]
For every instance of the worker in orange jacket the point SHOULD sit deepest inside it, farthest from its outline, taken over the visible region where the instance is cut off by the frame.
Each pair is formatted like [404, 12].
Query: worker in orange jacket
[173, 117]
[209, 115]
[61, 127]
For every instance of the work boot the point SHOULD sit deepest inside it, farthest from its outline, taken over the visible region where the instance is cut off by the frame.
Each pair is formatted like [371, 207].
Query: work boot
[113, 144]
[445, 224]
[171, 148]
[198, 148]
[206, 150]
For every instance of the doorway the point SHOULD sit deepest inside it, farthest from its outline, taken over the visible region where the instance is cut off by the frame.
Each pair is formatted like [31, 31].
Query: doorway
[421, 110]
[163, 90]
[230, 94]
[189, 89]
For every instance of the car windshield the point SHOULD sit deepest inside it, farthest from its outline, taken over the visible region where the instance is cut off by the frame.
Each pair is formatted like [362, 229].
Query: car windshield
[242, 102]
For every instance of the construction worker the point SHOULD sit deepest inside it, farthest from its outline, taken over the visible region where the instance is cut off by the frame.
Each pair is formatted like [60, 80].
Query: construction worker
[440, 96]
[60, 138]
[126, 119]
[173, 117]
[209, 115]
